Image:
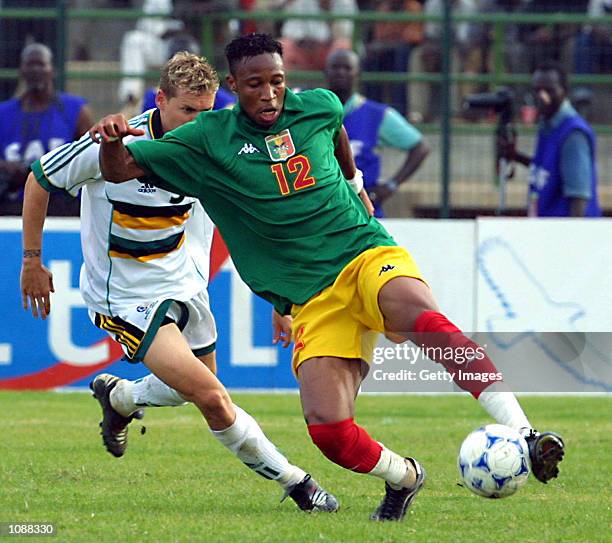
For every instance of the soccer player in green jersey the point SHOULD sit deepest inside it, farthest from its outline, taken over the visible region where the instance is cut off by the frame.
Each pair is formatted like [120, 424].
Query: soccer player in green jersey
[271, 174]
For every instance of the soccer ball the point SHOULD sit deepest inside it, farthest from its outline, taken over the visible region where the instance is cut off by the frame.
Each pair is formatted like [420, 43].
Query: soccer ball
[494, 461]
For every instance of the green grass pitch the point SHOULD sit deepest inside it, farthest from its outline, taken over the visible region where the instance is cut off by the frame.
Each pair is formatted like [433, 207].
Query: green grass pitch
[176, 483]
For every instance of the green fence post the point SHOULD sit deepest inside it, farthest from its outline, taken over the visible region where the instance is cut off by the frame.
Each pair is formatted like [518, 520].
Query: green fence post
[445, 137]
[60, 45]
[498, 51]
[208, 38]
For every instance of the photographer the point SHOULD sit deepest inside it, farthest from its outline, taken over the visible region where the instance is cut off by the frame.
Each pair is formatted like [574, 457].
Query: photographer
[563, 178]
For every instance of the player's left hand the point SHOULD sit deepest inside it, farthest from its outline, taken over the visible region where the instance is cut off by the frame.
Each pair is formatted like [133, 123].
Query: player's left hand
[367, 203]
[281, 329]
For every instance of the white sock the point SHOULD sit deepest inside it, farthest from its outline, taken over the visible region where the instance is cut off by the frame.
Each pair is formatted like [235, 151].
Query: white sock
[392, 468]
[247, 441]
[128, 396]
[503, 406]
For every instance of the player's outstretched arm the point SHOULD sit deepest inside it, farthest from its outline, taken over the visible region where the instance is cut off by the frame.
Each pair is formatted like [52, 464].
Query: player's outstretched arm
[36, 280]
[116, 163]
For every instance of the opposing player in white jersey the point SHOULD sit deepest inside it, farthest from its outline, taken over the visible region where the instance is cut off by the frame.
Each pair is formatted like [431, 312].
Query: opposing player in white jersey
[144, 280]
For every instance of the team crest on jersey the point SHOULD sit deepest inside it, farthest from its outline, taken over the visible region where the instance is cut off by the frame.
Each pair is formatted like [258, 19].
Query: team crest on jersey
[280, 147]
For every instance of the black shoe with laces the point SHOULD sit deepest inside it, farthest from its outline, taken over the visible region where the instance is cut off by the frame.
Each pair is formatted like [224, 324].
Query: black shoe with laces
[396, 502]
[546, 450]
[114, 426]
[310, 496]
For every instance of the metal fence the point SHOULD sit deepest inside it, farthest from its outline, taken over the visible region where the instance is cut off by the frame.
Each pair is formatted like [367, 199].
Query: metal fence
[458, 178]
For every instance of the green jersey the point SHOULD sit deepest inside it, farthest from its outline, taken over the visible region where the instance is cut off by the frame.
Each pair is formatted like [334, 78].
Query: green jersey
[277, 195]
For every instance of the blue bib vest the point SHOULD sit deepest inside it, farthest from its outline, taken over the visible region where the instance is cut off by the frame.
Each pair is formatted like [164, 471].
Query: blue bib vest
[362, 126]
[545, 176]
[25, 137]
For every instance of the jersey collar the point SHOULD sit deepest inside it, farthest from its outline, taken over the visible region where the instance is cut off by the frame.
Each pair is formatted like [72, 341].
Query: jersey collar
[565, 110]
[155, 125]
[293, 102]
[355, 101]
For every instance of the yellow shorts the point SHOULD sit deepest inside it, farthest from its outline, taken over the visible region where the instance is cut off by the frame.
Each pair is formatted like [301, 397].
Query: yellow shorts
[344, 319]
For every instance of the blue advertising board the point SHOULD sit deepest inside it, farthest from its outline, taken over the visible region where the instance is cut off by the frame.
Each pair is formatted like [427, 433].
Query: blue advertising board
[66, 350]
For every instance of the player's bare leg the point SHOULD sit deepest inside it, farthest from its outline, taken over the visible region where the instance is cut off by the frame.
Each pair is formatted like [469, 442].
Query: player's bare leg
[411, 312]
[328, 387]
[170, 358]
[128, 396]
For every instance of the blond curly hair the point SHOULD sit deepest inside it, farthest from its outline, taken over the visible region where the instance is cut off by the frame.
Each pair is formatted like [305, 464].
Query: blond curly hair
[188, 72]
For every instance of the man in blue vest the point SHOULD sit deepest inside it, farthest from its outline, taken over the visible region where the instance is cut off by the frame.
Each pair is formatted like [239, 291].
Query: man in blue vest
[563, 177]
[33, 124]
[370, 126]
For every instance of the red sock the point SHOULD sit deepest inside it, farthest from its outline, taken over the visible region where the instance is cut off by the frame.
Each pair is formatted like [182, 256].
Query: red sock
[346, 444]
[439, 337]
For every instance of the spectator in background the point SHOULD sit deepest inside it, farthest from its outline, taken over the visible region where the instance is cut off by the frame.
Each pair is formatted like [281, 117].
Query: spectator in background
[33, 124]
[15, 34]
[306, 43]
[593, 53]
[193, 12]
[371, 125]
[468, 53]
[563, 178]
[544, 41]
[146, 47]
[483, 33]
[390, 49]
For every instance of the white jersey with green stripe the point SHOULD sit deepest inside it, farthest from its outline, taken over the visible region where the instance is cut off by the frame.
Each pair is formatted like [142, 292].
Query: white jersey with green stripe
[139, 242]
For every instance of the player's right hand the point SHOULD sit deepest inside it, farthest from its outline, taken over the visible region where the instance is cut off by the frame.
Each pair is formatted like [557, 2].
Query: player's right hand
[506, 147]
[112, 128]
[367, 203]
[36, 287]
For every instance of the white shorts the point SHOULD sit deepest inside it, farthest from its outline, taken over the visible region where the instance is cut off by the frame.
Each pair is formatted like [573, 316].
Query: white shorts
[135, 326]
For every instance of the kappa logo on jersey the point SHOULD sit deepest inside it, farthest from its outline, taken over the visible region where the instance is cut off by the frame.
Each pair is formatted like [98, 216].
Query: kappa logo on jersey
[385, 268]
[147, 188]
[248, 149]
[280, 147]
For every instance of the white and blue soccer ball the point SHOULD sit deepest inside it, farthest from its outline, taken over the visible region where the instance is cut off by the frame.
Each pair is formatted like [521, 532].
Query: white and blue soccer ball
[494, 461]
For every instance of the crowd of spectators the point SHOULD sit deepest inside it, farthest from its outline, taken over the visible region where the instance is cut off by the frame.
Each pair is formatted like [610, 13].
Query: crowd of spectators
[392, 46]
[396, 47]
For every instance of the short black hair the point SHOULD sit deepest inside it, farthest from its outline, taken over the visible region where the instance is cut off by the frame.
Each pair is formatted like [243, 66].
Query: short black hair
[557, 67]
[250, 45]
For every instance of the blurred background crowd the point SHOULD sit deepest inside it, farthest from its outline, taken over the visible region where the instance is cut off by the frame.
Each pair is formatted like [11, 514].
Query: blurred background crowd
[111, 58]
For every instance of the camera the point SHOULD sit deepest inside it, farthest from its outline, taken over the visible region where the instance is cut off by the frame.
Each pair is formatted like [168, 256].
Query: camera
[500, 101]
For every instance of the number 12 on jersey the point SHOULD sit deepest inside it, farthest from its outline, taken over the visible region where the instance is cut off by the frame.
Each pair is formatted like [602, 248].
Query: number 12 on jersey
[299, 166]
